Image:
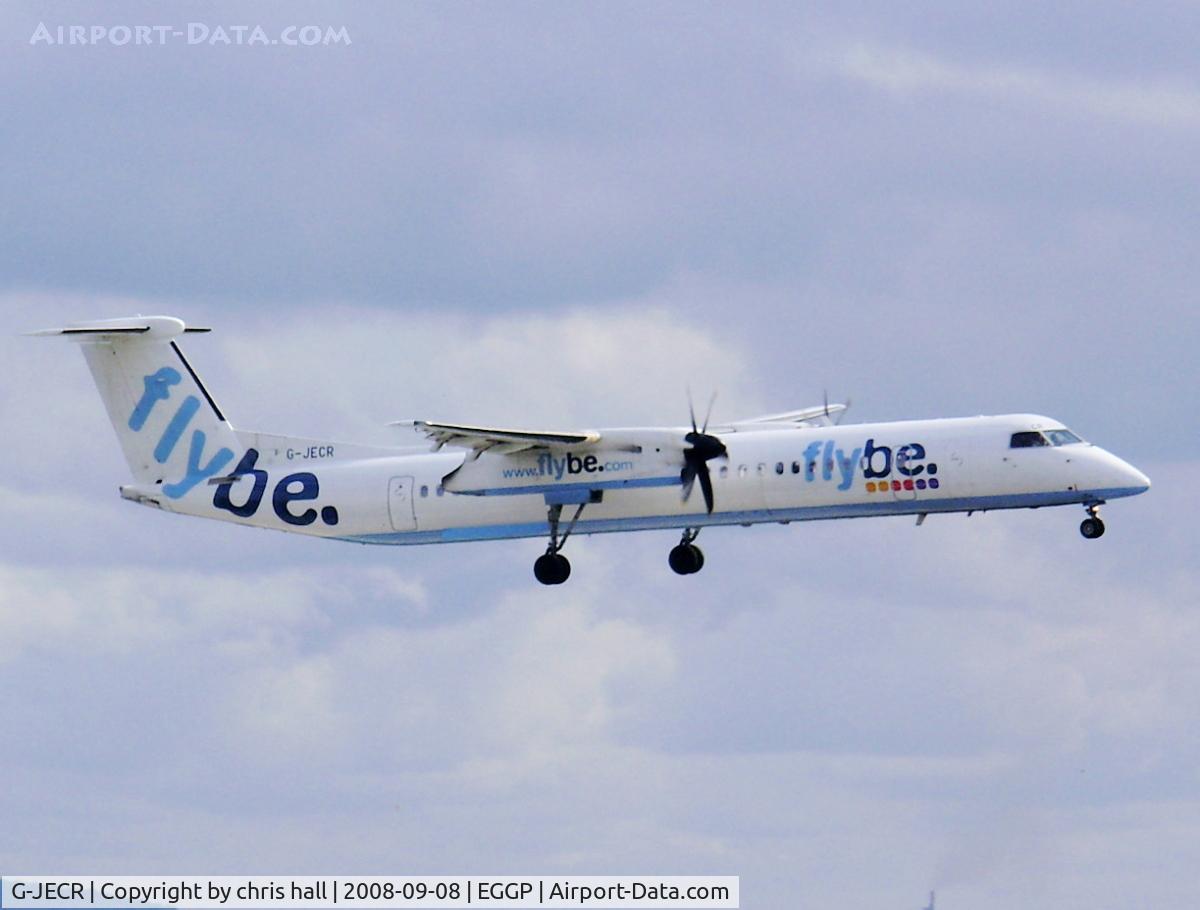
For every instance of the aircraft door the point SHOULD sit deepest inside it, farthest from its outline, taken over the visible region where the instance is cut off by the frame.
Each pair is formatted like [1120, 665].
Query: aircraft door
[401, 508]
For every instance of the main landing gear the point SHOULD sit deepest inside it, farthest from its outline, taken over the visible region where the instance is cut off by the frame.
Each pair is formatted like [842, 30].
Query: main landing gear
[1092, 527]
[552, 568]
[686, 558]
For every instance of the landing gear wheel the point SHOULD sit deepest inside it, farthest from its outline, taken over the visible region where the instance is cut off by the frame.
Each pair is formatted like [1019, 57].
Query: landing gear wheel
[1091, 528]
[552, 568]
[686, 559]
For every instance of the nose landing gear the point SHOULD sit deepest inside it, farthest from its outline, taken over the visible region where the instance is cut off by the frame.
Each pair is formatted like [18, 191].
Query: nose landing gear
[686, 558]
[1092, 527]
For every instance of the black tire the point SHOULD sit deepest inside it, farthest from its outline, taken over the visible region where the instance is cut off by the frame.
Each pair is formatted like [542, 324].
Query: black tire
[552, 568]
[1091, 528]
[685, 559]
[543, 569]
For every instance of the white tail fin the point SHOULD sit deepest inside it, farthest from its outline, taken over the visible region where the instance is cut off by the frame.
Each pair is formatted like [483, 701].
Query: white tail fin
[172, 433]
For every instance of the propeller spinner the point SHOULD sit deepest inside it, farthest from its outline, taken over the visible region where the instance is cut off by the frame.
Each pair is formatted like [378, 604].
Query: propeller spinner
[704, 448]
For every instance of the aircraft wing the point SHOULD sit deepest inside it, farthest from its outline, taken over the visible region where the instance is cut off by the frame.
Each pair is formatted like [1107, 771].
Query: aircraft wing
[504, 441]
[818, 415]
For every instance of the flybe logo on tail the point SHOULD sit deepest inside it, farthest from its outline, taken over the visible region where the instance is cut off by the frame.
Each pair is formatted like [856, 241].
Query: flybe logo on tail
[158, 388]
[298, 487]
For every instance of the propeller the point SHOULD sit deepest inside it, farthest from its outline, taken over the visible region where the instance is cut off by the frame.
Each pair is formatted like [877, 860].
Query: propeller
[829, 418]
[704, 447]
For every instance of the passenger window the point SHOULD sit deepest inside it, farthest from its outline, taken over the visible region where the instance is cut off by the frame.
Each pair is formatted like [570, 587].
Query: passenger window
[795, 467]
[724, 470]
[762, 468]
[742, 470]
[779, 467]
[424, 491]
[441, 490]
[1027, 440]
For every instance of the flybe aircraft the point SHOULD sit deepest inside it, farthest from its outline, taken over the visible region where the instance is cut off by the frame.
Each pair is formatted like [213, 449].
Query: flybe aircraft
[488, 483]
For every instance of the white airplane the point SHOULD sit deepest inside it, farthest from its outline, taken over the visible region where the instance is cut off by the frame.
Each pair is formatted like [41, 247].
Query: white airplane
[481, 483]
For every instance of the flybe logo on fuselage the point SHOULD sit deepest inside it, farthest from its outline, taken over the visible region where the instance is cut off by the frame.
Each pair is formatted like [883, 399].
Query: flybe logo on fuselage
[298, 487]
[881, 467]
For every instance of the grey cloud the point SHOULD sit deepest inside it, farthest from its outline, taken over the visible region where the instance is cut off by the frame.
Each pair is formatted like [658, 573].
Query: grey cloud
[527, 156]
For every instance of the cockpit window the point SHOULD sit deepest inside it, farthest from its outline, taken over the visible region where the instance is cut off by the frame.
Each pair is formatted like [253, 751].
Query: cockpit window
[1027, 440]
[1062, 437]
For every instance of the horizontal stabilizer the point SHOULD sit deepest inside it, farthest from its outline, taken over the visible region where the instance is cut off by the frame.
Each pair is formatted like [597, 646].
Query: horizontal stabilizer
[157, 328]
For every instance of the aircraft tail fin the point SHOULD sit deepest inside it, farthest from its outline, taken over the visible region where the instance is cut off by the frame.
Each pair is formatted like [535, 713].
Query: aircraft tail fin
[173, 434]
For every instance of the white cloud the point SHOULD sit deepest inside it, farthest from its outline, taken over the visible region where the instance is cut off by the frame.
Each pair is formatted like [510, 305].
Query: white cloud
[907, 72]
[360, 367]
[820, 691]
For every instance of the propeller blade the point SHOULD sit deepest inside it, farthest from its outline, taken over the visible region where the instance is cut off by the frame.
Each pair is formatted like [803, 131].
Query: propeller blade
[703, 447]
[707, 414]
[706, 487]
[689, 479]
[842, 413]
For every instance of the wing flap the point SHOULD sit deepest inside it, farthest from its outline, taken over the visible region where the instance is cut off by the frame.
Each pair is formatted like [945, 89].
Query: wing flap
[818, 415]
[507, 441]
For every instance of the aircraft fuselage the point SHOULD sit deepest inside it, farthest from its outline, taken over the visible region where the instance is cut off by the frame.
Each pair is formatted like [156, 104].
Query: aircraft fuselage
[795, 474]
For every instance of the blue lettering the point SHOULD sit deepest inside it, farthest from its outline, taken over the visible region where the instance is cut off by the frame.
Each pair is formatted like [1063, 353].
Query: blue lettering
[196, 473]
[810, 459]
[905, 455]
[221, 498]
[846, 465]
[309, 489]
[868, 460]
[170, 436]
[827, 462]
[157, 388]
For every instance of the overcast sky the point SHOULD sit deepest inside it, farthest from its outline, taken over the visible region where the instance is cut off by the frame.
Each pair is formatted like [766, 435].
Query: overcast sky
[563, 215]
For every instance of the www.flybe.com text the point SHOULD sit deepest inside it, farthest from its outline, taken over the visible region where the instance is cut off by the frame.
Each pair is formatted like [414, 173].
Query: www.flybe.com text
[549, 465]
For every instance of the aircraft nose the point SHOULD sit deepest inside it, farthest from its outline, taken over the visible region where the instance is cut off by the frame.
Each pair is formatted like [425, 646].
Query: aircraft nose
[1125, 476]
[1135, 478]
[1109, 476]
